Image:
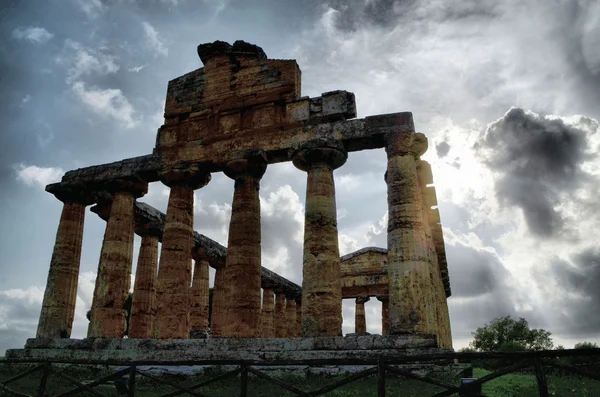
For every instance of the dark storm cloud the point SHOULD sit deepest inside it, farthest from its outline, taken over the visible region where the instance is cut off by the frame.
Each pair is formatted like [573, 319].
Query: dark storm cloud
[442, 149]
[581, 279]
[539, 159]
[473, 271]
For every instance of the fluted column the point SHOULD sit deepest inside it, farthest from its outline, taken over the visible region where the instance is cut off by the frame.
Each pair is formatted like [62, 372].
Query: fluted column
[241, 300]
[108, 319]
[385, 314]
[279, 317]
[144, 291]
[290, 317]
[200, 286]
[321, 275]
[60, 296]
[298, 319]
[173, 293]
[440, 305]
[217, 306]
[268, 307]
[408, 265]
[360, 323]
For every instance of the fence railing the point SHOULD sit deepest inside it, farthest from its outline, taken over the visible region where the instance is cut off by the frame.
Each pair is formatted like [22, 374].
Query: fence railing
[127, 377]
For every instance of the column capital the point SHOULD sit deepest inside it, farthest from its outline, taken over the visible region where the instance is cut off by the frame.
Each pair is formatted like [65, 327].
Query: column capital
[383, 298]
[135, 186]
[403, 143]
[73, 193]
[362, 299]
[251, 163]
[313, 154]
[185, 174]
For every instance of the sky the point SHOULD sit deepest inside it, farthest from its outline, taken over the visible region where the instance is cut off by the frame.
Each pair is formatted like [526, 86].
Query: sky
[507, 92]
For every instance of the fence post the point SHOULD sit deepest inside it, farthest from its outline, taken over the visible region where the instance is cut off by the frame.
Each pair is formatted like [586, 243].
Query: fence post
[540, 376]
[244, 381]
[131, 385]
[42, 388]
[380, 379]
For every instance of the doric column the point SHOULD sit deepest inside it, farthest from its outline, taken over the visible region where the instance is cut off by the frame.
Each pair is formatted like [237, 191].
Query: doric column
[241, 301]
[440, 305]
[279, 318]
[360, 323]
[173, 293]
[58, 306]
[200, 286]
[108, 319]
[408, 261]
[298, 318]
[290, 317]
[385, 314]
[217, 307]
[268, 307]
[321, 275]
[141, 320]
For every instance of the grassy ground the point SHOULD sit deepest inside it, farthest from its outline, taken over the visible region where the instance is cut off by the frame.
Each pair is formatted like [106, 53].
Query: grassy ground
[521, 385]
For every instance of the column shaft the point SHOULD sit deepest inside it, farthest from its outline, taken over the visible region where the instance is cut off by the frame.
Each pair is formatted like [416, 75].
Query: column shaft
[408, 266]
[58, 307]
[290, 317]
[144, 292]
[280, 316]
[385, 315]
[174, 273]
[200, 286]
[108, 319]
[268, 307]
[242, 269]
[321, 274]
[298, 319]
[360, 322]
[217, 302]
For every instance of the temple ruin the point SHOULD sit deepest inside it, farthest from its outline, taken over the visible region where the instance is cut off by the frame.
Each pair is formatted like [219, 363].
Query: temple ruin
[237, 114]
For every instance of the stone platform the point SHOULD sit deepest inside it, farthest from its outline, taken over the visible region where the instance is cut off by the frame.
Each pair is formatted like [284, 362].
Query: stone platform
[201, 351]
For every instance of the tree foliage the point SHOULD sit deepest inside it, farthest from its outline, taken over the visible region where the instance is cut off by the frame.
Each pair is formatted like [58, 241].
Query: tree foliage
[507, 334]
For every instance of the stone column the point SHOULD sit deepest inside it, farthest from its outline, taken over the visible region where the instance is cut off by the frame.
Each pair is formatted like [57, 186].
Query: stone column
[217, 306]
[173, 293]
[290, 317]
[141, 320]
[321, 275]
[385, 314]
[298, 318]
[58, 306]
[108, 319]
[268, 307]
[360, 323]
[200, 286]
[408, 265]
[241, 301]
[280, 316]
[432, 220]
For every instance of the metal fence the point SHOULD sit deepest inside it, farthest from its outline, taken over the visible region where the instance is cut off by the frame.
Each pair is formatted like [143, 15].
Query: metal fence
[126, 378]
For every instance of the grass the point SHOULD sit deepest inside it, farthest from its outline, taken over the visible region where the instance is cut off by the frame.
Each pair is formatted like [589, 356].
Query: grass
[517, 384]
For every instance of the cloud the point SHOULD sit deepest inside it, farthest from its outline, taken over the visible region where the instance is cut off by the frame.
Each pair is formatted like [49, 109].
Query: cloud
[153, 41]
[539, 161]
[33, 175]
[84, 61]
[19, 314]
[442, 149]
[136, 69]
[92, 8]
[578, 277]
[109, 103]
[33, 34]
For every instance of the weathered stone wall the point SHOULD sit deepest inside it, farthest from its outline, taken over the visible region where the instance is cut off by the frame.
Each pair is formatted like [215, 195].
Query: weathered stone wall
[364, 273]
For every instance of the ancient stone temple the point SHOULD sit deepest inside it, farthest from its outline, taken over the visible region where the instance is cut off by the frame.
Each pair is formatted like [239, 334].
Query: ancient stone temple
[238, 114]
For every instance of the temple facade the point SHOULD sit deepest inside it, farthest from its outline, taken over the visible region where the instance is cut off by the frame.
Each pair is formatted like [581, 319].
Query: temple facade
[238, 114]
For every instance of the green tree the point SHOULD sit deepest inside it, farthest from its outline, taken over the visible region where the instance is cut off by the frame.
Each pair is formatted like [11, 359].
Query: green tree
[507, 334]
